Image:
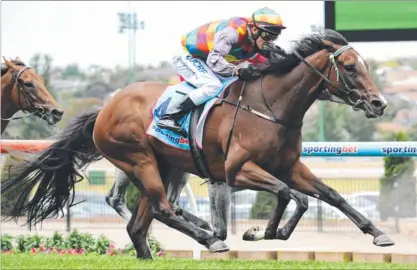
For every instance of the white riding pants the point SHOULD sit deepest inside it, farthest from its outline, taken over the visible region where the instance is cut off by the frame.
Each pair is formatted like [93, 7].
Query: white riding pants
[197, 73]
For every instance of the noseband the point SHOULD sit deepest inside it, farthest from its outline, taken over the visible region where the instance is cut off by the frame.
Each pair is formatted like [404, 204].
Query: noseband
[346, 90]
[20, 88]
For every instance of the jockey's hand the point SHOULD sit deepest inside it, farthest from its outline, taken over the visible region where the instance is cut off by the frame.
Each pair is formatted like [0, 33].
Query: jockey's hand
[248, 73]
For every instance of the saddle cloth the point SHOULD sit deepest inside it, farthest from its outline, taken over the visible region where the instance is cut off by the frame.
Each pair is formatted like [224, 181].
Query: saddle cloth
[172, 96]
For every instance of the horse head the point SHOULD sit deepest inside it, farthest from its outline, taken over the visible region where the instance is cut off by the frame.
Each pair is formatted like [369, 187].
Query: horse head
[27, 92]
[352, 83]
[338, 73]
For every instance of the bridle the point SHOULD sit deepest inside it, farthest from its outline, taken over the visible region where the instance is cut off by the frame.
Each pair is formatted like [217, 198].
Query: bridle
[346, 90]
[331, 97]
[21, 90]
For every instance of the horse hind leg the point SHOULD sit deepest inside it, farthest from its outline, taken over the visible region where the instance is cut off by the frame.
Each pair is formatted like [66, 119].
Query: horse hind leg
[147, 171]
[140, 222]
[138, 226]
[200, 223]
[176, 182]
[116, 196]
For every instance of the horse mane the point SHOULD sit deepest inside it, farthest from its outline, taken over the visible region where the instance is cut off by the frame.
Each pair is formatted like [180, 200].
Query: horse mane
[306, 46]
[5, 68]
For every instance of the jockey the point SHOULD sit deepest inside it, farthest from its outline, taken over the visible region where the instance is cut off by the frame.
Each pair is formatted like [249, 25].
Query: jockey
[221, 49]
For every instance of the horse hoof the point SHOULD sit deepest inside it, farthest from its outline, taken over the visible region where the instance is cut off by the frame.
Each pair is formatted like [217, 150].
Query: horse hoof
[383, 241]
[218, 247]
[254, 234]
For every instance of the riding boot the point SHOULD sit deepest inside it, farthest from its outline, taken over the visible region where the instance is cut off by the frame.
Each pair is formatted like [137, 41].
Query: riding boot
[170, 120]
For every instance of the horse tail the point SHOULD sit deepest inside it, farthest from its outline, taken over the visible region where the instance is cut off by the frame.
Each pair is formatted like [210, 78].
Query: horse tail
[54, 170]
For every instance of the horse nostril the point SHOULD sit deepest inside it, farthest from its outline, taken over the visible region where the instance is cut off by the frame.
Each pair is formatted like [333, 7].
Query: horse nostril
[58, 112]
[376, 103]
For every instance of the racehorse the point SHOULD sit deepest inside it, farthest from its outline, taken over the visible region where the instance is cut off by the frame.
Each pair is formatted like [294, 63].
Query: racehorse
[263, 116]
[24, 90]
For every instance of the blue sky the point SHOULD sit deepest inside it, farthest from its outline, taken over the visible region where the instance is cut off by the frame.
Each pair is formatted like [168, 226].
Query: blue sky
[86, 32]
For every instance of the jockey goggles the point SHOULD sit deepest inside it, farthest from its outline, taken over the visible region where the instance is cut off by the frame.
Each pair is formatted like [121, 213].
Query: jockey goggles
[267, 36]
[264, 33]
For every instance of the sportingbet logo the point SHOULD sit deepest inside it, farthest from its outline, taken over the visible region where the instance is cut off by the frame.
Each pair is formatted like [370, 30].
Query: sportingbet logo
[176, 140]
[398, 149]
[360, 149]
[338, 150]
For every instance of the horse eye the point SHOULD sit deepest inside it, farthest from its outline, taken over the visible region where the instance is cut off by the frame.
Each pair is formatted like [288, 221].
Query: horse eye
[350, 68]
[29, 84]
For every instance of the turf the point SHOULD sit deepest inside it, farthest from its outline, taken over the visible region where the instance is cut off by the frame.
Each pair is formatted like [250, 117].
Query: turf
[44, 261]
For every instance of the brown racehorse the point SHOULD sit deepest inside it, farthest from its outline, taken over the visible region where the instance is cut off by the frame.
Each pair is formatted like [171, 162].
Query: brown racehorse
[264, 152]
[22, 89]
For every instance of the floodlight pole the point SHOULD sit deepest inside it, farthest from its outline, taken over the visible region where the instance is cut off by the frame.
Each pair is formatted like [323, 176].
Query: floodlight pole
[128, 21]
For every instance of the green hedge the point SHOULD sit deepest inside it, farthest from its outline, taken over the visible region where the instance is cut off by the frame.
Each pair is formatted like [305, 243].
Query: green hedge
[74, 243]
[7, 201]
[398, 186]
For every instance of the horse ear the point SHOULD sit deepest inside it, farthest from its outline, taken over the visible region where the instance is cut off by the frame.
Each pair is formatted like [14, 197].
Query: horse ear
[7, 62]
[330, 46]
[18, 59]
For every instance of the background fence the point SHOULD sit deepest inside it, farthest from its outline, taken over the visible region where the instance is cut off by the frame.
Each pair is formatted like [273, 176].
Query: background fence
[353, 169]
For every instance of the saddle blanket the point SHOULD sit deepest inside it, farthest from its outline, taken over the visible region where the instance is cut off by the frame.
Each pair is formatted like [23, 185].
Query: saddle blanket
[173, 96]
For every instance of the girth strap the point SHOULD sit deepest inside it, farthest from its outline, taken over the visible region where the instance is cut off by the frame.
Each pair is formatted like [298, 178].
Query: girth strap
[197, 154]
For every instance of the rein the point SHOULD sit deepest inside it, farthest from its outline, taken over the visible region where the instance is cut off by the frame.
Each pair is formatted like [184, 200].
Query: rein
[20, 90]
[247, 108]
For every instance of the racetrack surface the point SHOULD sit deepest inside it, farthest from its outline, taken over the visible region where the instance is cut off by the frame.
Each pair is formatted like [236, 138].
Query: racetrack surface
[48, 261]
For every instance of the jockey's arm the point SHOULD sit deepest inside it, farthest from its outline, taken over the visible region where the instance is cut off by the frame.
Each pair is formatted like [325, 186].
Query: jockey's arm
[223, 42]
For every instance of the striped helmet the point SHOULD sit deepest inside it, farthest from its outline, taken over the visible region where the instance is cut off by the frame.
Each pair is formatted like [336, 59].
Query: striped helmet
[267, 20]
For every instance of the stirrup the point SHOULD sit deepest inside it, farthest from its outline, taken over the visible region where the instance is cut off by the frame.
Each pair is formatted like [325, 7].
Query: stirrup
[177, 129]
[170, 127]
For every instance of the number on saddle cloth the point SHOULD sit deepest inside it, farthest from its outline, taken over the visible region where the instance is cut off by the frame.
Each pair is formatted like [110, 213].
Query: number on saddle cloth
[173, 96]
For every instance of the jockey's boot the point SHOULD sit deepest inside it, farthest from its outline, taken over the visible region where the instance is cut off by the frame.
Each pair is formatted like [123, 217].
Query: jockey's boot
[170, 119]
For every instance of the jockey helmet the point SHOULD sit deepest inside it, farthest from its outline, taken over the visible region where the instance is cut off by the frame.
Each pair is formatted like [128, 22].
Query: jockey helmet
[268, 22]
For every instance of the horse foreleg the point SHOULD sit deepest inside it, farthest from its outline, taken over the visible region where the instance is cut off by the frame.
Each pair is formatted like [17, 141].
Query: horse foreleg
[220, 196]
[116, 196]
[255, 233]
[251, 176]
[302, 205]
[306, 182]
